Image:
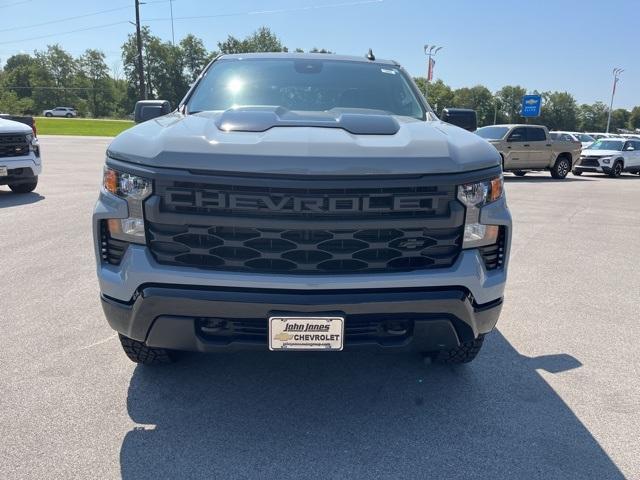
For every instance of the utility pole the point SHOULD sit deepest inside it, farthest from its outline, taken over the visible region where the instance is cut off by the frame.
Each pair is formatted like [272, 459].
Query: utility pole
[143, 87]
[429, 51]
[173, 35]
[616, 77]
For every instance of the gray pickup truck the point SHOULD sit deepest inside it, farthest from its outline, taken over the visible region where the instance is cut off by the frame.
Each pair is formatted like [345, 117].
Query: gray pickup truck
[300, 202]
[529, 147]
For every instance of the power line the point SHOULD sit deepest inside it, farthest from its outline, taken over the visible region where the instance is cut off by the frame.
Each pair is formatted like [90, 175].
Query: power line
[60, 20]
[15, 3]
[271, 12]
[254, 12]
[65, 33]
[76, 17]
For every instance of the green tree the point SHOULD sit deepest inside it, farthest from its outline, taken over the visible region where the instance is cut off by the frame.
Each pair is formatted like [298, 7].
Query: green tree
[194, 56]
[593, 118]
[634, 118]
[58, 71]
[100, 85]
[559, 111]
[12, 104]
[478, 98]
[262, 40]
[619, 119]
[510, 101]
[439, 94]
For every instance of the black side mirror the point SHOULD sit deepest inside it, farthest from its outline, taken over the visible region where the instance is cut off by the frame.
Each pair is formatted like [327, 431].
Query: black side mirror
[461, 117]
[149, 109]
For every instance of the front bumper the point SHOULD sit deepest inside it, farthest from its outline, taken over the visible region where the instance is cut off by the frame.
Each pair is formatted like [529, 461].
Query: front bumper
[162, 304]
[21, 169]
[175, 317]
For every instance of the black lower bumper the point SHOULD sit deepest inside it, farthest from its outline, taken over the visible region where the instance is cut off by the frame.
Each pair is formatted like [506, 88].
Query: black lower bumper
[17, 176]
[416, 319]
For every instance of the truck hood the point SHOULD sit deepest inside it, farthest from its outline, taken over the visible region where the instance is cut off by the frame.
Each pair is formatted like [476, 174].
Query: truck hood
[200, 142]
[9, 126]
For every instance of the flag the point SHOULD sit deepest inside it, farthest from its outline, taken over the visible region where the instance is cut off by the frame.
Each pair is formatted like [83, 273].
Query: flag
[432, 64]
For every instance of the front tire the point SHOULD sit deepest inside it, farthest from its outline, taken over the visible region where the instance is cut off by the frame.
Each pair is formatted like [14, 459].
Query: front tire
[616, 171]
[138, 352]
[519, 173]
[24, 187]
[561, 168]
[464, 353]
[68, 115]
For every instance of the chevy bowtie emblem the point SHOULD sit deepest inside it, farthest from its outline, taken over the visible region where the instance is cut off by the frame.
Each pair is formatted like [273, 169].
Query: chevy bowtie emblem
[283, 337]
[412, 243]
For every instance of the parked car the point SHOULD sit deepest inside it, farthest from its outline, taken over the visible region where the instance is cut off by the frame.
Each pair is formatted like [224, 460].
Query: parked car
[583, 138]
[20, 162]
[67, 112]
[301, 202]
[529, 147]
[611, 156]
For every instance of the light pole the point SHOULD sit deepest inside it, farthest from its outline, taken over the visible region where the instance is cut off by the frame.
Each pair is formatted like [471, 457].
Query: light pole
[173, 35]
[429, 51]
[616, 77]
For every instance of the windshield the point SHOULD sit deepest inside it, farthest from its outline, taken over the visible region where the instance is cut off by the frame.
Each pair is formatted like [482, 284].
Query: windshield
[305, 84]
[607, 145]
[492, 133]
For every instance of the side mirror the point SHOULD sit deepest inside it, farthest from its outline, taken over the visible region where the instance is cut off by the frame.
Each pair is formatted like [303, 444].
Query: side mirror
[461, 117]
[149, 109]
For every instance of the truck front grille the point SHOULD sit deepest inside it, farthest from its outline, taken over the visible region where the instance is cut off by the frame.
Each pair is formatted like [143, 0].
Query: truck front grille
[13, 145]
[289, 229]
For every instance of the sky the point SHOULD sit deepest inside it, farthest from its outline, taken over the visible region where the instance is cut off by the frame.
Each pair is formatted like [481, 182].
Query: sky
[565, 45]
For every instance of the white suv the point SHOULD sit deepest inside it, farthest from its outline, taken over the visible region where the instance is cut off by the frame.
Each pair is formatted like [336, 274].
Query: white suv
[611, 156]
[67, 112]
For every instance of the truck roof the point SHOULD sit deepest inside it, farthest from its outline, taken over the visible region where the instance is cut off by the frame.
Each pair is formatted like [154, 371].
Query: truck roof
[312, 56]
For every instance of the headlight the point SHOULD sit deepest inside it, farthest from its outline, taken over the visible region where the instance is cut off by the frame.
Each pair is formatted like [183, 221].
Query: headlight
[474, 196]
[33, 144]
[126, 185]
[134, 189]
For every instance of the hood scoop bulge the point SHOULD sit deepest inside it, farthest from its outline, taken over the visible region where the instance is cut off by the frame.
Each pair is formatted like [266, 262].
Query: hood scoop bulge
[261, 119]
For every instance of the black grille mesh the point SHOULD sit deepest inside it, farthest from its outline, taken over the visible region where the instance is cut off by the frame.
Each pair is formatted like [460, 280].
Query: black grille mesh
[184, 231]
[304, 251]
[13, 145]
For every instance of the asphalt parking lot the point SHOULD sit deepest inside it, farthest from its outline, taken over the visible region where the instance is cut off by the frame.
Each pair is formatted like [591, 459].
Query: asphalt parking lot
[555, 394]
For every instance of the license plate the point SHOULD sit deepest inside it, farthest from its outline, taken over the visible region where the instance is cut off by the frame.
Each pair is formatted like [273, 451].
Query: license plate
[306, 333]
[4, 172]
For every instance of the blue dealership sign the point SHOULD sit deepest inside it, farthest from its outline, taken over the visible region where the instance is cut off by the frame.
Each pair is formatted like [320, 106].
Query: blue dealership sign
[531, 105]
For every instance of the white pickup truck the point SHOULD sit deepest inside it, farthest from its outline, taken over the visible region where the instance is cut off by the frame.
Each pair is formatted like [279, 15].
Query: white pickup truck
[20, 162]
[529, 147]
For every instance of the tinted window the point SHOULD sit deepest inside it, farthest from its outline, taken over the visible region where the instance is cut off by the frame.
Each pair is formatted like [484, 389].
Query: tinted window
[535, 134]
[492, 133]
[629, 146]
[518, 135]
[305, 84]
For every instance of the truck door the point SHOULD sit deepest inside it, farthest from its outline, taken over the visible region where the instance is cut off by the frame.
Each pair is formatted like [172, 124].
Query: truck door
[517, 150]
[540, 148]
